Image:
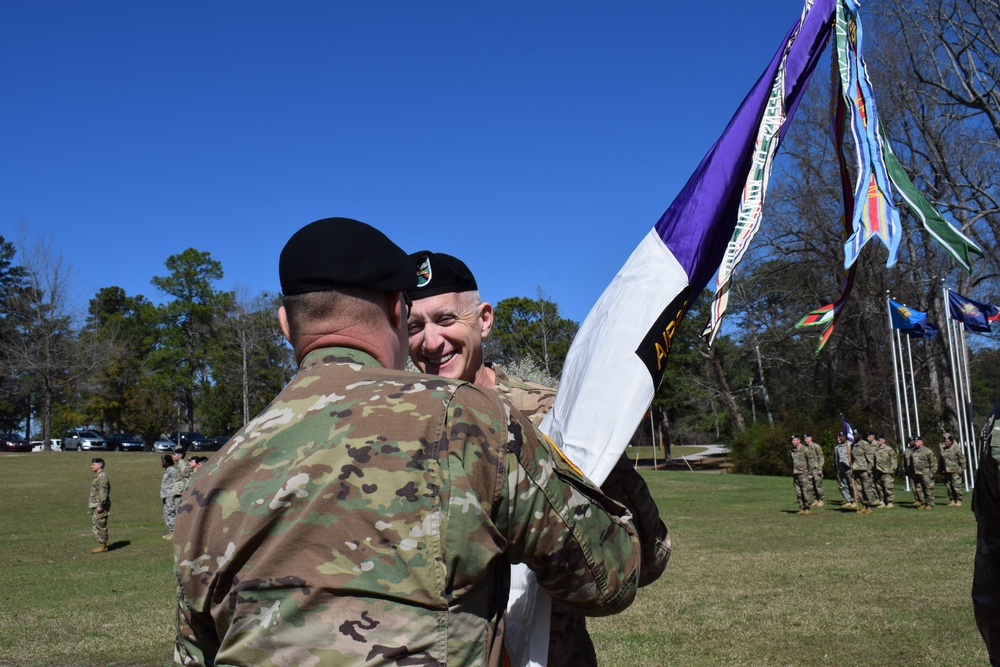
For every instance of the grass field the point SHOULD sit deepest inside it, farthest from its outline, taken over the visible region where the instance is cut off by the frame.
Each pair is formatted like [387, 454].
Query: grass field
[750, 583]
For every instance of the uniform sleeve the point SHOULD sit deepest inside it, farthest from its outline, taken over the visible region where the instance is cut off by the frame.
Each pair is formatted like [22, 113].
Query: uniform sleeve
[581, 545]
[627, 486]
[192, 647]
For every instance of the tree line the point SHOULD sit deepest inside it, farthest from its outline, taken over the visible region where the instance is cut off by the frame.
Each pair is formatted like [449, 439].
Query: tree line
[204, 359]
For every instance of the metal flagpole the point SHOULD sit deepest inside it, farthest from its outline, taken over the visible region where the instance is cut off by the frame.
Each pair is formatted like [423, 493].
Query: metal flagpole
[913, 387]
[895, 379]
[902, 379]
[906, 401]
[953, 356]
[973, 455]
[652, 437]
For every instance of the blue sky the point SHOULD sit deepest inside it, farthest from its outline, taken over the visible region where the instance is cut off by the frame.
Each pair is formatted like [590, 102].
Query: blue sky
[537, 141]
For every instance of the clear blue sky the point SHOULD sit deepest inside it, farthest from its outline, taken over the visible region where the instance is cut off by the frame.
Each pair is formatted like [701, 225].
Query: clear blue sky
[538, 141]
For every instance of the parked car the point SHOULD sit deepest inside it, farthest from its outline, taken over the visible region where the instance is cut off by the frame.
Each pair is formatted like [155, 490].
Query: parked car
[192, 441]
[219, 440]
[125, 442]
[10, 442]
[163, 444]
[55, 444]
[83, 440]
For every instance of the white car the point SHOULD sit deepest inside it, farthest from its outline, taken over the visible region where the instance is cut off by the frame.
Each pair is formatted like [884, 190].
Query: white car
[83, 440]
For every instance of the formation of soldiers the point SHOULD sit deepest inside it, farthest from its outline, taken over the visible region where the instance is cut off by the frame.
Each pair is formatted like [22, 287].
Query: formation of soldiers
[866, 472]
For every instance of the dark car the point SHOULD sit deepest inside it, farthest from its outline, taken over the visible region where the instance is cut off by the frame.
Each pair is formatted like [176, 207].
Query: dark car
[219, 440]
[192, 441]
[125, 442]
[81, 440]
[13, 443]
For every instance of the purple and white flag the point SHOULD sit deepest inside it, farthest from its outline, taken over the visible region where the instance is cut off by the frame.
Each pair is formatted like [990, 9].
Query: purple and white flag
[617, 359]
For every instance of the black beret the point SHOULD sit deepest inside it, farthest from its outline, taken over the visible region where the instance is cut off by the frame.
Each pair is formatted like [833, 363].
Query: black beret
[101, 461]
[806, 435]
[438, 273]
[341, 252]
[178, 450]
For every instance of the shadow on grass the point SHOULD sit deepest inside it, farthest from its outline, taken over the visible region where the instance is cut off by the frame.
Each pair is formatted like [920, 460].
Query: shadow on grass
[121, 544]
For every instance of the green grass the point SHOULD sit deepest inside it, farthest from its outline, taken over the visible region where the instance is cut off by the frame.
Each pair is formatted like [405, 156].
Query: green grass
[750, 583]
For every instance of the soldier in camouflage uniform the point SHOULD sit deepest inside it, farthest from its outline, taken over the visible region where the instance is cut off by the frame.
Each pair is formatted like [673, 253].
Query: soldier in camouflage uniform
[986, 506]
[184, 471]
[842, 459]
[816, 474]
[862, 463]
[99, 504]
[448, 324]
[953, 465]
[802, 463]
[885, 470]
[167, 497]
[370, 515]
[920, 466]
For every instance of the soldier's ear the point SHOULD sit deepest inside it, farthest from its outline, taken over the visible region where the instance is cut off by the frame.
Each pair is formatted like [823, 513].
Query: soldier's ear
[283, 323]
[486, 318]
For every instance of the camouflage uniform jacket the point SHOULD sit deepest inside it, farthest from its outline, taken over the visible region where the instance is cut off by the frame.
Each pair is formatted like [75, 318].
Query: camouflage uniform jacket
[816, 451]
[100, 493]
[168, 481]
[952, 459]
[863, 456]
[370, 515]
[842, 456]
[531, 399]
[184, 472]
[885, 459]
[986, 506]
[802, 460]
[920, 460]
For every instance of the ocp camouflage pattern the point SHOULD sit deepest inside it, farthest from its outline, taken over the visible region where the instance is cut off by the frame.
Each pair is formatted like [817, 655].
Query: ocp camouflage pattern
[986, 506]
[369, 516]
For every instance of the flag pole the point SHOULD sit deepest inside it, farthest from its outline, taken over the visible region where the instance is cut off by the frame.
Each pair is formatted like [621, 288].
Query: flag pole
[895, 380]
[913, 386]
[972, 455]
[963, 383]
[902, 379]
[955, 381]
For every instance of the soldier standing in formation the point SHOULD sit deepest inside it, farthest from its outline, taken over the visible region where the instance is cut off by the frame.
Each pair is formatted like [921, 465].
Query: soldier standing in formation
[920, 467]
[885, 469]
[801, 482]
[816, 473]
[842, 459]
[449, 321]
[100, 505]
[370, 515]
[167, 498]
[862, 463]
[952, 465]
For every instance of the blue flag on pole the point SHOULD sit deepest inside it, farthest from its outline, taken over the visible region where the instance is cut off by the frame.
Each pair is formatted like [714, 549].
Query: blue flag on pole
[904, 317]
[910, 321]
[974, 315]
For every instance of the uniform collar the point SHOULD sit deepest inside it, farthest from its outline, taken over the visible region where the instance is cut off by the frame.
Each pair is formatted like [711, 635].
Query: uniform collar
[338, 355]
